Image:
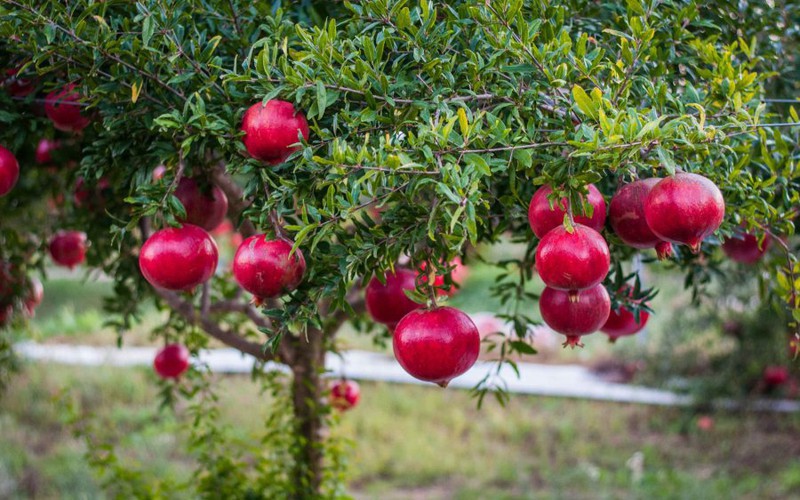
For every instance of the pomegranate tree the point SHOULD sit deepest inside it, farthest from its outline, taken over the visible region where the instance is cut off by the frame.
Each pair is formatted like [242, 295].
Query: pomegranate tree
[436, 345]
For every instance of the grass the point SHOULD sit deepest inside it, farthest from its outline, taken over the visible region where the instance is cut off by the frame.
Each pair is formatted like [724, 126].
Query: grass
[411, 442]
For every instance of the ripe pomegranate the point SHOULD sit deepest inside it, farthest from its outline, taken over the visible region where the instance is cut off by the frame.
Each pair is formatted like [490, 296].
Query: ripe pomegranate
[458, 274]
[436, 345]
[626, 215]
[271, 129]
[775, 376]
[623, 322]
[63, 109]
[172, 361]
[9, 171]
[204, 207]
[158, 173]
[705, 423]
[575, 318]
[684, 209]
[16, 86]
[68, 248]
[542, 218]
[387, 303]
[265, 268]
[745, 248]
[178, 258]
[34, 296]
[44, 151]
[572, 260]
[345, 395]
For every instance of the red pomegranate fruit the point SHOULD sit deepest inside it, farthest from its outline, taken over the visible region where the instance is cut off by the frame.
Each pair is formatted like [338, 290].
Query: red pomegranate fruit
[436, 345]
[64, 109]
[622, 323]
[265, 268]
[543, 218]
[34, 296]
[44, 151]
[158, 173]
[575, 318]
[458, 273]
[6, 312]
[387, 303]
[345, 395]
[9, 171]
[205, 207]
[684, 209]
[775, 376]
[745, 248]
[178, 258]
[172, 361]
[572, 260]
[271, 129]
[15, 85]
[68, 248]
[92, 198]
[626, 215]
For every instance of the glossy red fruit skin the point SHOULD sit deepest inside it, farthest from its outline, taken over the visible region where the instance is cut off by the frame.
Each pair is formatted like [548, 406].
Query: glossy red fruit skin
[204, 208]
[68, 248]
[745, 249]
[270, 130]
[62, 107]
[622, 323]
[388, 304]
[34, 296]
[575, 318]
[542, 218]
[775, 375]
[16, 86]
[178, 258]
[9, 171]
[436, 345]
[572, 261]
[44, 151]
[626, 214]
[684, 209]
[264, 267]
[345, 394]
[172, 361]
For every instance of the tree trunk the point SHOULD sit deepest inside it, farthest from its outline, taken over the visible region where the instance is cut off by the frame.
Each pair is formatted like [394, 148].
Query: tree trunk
[308, 363]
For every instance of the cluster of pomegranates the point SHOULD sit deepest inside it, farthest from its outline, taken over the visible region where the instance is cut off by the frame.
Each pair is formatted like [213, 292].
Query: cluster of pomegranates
[573, 261]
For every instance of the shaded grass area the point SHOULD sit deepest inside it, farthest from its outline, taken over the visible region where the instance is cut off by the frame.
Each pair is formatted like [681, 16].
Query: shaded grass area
[410, 442]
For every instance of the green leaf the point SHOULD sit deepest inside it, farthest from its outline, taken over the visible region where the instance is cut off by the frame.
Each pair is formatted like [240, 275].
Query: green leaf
[584, 102]
[148, 29]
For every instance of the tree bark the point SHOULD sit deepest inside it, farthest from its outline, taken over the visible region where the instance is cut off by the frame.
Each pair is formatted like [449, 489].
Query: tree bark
[307, 366]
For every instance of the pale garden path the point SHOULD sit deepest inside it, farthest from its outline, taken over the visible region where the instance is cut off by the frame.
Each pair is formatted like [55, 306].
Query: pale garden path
[572, 381]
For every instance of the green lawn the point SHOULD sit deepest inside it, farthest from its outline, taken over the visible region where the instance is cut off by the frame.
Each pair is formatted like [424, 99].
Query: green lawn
[411, 442]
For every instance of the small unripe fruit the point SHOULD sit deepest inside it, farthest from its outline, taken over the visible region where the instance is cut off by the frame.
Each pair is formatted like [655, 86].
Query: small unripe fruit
[436, 345]
[172, 361]
[271, 129]
[542, 218]
[178, 258]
